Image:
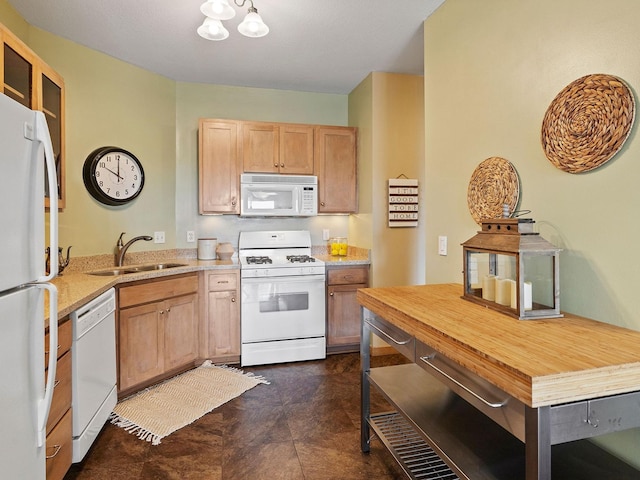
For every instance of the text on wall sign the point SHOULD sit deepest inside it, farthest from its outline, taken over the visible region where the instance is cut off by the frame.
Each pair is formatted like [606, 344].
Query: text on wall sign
[403, 202]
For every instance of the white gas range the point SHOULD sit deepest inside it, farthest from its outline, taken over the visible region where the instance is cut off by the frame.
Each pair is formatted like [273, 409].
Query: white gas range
[283, 298]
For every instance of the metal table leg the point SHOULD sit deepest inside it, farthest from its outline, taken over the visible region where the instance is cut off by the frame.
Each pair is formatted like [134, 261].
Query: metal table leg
[365, 389]
[538, 443]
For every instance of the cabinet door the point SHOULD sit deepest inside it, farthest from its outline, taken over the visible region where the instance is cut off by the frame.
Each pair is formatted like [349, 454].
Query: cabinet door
[335, 163]
[260, 147]
[296, 149]
[51, 101]
[180, 319]
[141, 344]
[219, 166]
[224, 323]
[18, 70]
[343, 314]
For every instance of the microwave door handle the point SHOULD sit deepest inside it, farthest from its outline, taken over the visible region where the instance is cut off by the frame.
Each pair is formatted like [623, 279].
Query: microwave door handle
[298, 200]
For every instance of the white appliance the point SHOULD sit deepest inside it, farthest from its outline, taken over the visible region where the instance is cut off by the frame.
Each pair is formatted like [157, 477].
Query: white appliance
[282, 307]
[268, 195]
[25, 398]
[94, 370]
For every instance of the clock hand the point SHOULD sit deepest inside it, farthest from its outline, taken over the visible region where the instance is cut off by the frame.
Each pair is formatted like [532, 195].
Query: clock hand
[116, 174]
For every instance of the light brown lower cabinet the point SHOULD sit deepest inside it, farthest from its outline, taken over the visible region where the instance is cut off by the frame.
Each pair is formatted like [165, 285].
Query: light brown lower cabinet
[221, 340]
[59, 433]
[343, 310]
[157, 330]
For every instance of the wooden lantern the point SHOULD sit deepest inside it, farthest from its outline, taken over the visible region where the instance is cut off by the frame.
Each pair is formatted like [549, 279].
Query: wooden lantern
[510, 268]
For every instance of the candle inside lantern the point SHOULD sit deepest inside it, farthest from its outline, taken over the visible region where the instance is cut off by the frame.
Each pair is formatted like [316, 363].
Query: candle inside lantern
[503, 291]
[489, 287]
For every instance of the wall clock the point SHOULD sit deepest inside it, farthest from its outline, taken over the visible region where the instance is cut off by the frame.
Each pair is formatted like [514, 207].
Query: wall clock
[112, 175]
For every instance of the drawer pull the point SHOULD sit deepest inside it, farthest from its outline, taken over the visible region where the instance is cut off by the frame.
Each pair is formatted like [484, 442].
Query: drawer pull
[223, 281]
[397, 342]
[464, 387]
[56, 450]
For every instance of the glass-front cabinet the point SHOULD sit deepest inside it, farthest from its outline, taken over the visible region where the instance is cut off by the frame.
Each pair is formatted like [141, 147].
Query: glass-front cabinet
[31, 82]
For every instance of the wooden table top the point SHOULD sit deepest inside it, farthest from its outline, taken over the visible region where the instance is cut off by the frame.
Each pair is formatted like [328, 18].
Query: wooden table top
[540, 362]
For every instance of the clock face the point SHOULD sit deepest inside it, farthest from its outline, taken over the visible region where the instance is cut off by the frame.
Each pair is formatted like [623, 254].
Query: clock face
[113, 176]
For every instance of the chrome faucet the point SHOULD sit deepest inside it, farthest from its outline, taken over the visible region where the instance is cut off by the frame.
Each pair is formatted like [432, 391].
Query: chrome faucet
[122, 249]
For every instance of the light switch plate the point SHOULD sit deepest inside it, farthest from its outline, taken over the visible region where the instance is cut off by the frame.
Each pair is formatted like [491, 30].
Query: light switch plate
[442, 245]
[158, 237]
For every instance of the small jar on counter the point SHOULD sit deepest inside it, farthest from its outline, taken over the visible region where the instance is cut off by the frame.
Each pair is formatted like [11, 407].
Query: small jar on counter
[338, 246]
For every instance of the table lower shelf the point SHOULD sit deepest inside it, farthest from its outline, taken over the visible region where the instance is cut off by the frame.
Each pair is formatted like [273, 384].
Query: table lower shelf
[472, 445]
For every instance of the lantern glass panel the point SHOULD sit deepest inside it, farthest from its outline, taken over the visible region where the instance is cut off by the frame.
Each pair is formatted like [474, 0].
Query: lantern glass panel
[539, 272]
[491, 276]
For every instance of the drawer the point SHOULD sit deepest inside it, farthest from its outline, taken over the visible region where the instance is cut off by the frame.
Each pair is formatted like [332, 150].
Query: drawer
[155, 290]
[496, 404]
[59, 449]
[64, 340]
[61, 401]
[218, 282]
[343, 276]
[398, 339]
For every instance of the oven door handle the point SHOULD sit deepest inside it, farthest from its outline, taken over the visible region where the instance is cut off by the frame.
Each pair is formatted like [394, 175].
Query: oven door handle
[297, 279]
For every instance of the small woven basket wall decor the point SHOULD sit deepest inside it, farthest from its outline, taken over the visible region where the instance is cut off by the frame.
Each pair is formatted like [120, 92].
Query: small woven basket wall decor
[493, 184]
[588, 122]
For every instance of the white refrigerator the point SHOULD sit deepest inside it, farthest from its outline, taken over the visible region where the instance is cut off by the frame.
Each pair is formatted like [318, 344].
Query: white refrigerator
[25, 393]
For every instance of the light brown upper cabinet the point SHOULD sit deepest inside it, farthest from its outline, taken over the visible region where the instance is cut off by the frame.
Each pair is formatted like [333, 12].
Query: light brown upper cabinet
[335, 166]
[277, 148]
[30, 81]
[219, 165]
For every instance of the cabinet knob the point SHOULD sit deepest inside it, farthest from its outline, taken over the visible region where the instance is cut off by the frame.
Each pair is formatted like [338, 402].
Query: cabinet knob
[275, 165]
[331, 294]
[168, 309]
[322, 203]
[282, 165]
[233, 201]
[233, 300]
[161, 312]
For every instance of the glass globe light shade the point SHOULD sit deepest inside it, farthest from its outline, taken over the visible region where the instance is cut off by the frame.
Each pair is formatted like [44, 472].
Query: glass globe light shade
[212, 29]
[218, 9]
[252, 25]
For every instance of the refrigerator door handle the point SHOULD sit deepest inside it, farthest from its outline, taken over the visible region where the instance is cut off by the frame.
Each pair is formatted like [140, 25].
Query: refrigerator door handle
[42, 136]
[44, 404]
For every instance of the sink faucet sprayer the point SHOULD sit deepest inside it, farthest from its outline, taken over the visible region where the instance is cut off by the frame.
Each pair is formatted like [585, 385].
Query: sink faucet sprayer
[122, 249]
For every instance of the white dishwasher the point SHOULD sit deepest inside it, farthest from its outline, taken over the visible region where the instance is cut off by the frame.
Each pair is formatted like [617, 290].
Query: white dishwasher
[93, 370]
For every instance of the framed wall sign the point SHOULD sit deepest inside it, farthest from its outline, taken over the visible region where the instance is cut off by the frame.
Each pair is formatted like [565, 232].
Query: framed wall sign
[403, 202]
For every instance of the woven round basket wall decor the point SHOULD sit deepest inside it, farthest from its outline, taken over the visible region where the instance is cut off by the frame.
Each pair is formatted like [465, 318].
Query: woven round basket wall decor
[493, 184]
[588, 122]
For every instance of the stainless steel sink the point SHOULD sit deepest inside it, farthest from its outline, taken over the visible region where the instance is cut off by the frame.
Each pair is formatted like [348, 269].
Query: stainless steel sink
[136, 269]
[158, 266]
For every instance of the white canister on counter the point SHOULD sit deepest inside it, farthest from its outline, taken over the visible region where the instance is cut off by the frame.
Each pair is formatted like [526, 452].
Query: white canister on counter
[207, 248]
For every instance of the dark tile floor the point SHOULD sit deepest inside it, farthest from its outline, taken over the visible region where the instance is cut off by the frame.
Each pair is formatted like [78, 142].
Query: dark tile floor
[305, 425]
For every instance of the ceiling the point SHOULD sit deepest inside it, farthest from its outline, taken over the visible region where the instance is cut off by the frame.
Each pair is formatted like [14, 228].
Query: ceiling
[325, 46]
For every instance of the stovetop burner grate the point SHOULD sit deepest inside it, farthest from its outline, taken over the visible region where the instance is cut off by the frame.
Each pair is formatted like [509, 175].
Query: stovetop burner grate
[300, 258]
[257, 260]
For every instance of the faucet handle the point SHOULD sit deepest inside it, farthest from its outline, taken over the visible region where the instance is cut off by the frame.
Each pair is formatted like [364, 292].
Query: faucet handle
[119, 243]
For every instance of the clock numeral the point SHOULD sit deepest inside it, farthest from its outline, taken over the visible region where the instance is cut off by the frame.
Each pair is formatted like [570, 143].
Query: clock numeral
[103, 165]
[117, 193]
[101, 183]
[126, 191]
[133, 168]
[135, 177]
[97, 173]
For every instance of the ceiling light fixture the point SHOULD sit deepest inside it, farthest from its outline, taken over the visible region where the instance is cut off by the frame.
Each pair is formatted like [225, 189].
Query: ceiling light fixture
[218, 10]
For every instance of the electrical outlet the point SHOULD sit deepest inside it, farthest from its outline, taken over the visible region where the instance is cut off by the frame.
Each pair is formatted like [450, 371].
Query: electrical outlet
[191, 236]
[325, 234]
[158, 237]
[442, 245]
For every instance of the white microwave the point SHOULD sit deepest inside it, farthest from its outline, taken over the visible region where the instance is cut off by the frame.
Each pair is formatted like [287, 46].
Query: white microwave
[269, 195]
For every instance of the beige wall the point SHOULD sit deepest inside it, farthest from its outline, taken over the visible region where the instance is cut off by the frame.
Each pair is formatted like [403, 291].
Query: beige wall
[388, 111]
[491, 70]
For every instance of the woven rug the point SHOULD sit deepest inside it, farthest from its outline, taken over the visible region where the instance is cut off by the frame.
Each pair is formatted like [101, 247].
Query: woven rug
[158, 411]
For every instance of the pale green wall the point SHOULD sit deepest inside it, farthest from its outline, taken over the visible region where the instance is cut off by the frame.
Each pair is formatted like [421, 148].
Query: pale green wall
[110, 102]
[388, 109]
[491, 70]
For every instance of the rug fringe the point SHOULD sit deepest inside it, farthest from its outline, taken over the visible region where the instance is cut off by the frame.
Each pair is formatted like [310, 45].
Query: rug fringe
[258, 378]
[134, 429]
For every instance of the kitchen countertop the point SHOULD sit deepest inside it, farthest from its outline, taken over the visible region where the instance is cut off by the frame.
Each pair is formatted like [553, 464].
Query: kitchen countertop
[539, 362]
[77, 288]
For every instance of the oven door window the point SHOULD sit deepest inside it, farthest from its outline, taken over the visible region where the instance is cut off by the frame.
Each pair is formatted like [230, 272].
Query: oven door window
[284, 302]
